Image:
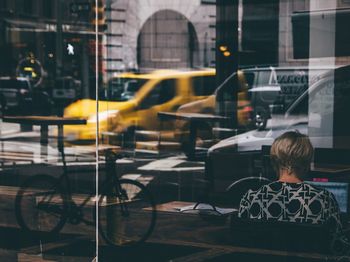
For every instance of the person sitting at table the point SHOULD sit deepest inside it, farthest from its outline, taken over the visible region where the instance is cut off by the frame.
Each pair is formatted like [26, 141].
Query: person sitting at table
[289, 199]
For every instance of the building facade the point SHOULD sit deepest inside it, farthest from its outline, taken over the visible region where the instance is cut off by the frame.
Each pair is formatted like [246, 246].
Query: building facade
[160, 34]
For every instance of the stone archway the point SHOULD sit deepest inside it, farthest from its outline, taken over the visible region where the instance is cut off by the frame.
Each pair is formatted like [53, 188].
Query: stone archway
[167, 40]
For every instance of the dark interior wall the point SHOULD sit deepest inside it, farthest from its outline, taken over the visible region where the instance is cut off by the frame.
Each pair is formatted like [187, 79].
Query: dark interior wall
[260, 32]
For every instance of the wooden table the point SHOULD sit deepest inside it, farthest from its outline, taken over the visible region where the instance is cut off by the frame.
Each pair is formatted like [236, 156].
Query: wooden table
[44, 122]
[194, 120]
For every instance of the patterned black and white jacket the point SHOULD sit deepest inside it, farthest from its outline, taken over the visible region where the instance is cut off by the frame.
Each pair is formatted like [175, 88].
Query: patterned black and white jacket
[294, 202]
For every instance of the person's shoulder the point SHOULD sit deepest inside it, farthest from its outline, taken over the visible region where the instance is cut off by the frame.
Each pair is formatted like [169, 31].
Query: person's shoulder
[319, 190]
[315, 188]
[273, 186]
[251, 192]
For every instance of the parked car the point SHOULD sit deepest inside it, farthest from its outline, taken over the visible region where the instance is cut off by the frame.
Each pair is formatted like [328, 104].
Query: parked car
[258, 89]
[131, 101]
[314, 112]
[278, 85]
[18, 97]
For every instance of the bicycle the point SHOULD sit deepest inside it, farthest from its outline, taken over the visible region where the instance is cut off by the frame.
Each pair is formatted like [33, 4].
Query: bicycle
[233, 193]
[127, 212]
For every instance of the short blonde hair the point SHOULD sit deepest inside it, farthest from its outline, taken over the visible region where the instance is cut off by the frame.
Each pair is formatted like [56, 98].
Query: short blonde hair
[292, 151]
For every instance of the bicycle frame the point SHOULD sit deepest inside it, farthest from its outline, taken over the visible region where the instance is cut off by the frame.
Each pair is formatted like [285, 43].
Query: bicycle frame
[110, 181]
[57, 199]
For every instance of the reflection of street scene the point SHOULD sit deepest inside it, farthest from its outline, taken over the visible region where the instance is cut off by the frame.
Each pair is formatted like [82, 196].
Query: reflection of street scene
[53, 205]
[131, 101]
[137, 130]
[81, 207]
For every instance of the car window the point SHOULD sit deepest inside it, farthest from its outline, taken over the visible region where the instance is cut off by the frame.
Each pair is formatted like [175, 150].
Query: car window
[322, 99]
[320, 103]
[121, 89]
[263, 78]
[226, 91]
[332, 99]
[250, 78]
[203, 85]
[293, 83]
[163, 92]
[301, 107]
[241, 82]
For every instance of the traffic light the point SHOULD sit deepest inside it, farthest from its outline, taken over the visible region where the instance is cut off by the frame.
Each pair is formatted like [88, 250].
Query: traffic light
[101, 18]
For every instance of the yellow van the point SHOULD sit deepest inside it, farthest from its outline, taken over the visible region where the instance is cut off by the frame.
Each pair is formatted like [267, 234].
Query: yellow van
[131, 101]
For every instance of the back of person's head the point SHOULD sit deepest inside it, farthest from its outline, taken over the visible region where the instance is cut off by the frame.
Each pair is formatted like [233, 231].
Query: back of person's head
[293, 152]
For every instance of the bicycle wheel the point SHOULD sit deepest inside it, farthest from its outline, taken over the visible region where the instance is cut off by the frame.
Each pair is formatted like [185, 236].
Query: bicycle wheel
[40, 206]
[127, 218]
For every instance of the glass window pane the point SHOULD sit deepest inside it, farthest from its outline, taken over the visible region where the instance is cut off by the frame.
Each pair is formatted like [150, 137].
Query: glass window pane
[48, 180]
[133, 111]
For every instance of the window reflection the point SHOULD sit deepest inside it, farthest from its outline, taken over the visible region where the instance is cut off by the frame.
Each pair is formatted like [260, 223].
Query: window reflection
[121, 89]
[191, 94]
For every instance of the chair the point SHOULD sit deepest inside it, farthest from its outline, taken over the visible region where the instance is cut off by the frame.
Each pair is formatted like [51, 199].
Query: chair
[267, 169]
[284, 236]
[155, 142]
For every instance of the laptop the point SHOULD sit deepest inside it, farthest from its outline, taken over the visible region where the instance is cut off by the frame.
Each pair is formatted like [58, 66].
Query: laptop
[340, 190]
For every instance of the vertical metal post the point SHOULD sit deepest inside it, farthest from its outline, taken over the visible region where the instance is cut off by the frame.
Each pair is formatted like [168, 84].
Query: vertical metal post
[44, 134]
[97, 128]
[85, 69]
[59, 46]
[227, 55]
[205, 51]
[59, 38]
[112, 215]
[192, 139]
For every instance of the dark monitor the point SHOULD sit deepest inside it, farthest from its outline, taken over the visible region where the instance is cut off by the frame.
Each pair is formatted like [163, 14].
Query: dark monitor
[324, 157]
[340, 192]
[265, 149]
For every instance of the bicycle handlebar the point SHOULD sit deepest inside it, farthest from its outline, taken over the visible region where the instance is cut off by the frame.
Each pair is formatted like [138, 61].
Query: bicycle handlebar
[115, 155]
[121, 155]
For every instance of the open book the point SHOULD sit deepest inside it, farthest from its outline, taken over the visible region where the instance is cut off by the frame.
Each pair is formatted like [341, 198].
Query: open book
[207, 208]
